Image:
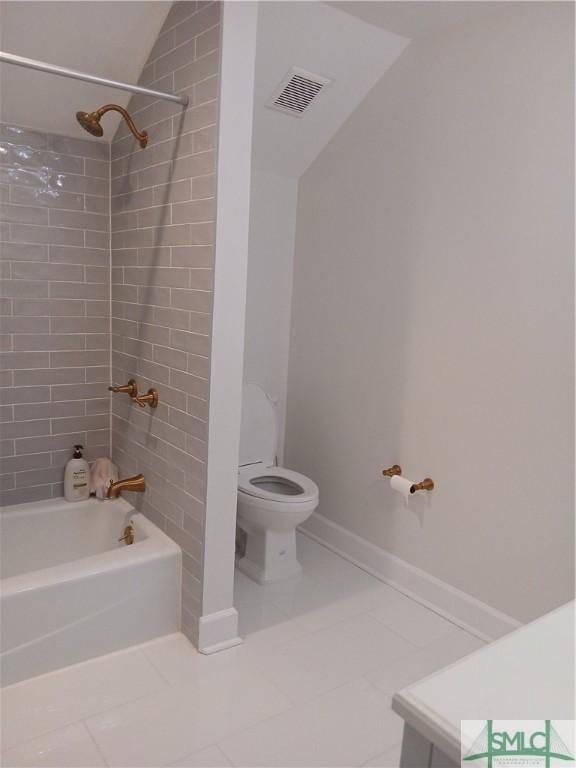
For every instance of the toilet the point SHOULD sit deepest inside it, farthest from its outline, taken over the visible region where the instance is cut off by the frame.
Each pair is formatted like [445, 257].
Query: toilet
[272, 500]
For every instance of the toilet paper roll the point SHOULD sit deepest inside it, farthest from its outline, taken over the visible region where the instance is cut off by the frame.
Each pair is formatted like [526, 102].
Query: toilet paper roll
[402, 485]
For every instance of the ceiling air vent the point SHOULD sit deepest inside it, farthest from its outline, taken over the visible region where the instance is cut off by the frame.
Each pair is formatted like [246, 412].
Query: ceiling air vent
[297, 91]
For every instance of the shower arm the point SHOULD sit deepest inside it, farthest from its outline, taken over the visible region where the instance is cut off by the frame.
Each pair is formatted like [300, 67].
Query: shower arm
[140, 136]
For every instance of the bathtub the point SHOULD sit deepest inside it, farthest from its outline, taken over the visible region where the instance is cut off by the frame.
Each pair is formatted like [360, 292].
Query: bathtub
[69, 590]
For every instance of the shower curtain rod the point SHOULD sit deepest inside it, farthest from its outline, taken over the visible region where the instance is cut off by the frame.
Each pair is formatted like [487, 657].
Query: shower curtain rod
[42, 66]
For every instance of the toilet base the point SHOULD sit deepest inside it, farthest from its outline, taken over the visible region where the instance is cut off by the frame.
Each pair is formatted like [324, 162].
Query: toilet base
[269, 556]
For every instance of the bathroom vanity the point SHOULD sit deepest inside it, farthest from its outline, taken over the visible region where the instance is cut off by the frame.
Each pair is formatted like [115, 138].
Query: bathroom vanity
[526, 675]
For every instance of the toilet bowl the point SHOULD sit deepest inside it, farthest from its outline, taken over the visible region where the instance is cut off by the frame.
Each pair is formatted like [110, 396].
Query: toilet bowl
[272, 500]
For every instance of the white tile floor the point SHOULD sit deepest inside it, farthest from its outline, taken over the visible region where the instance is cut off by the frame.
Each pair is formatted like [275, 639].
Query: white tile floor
[311, 685]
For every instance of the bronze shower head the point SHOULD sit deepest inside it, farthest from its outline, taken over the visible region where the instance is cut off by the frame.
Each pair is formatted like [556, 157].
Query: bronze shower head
[90, 121]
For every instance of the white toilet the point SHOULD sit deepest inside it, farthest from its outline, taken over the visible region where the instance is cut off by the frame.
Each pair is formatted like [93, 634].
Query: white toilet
[272, 500]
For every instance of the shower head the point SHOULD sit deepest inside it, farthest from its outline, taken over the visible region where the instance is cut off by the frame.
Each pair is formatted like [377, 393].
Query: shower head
[90, 121]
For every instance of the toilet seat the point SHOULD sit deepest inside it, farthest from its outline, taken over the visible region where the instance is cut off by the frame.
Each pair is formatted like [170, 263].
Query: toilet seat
[298, 488]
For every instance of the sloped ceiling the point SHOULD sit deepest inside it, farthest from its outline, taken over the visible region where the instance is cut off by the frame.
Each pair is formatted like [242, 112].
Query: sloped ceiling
[417, 18]
[326, 41]
[110, 39]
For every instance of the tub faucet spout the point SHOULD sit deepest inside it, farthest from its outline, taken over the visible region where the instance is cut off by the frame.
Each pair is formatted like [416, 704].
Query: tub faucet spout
[136, 483]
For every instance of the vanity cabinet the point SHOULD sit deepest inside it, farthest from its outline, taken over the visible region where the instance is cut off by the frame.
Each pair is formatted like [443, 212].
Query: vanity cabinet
[525, 675]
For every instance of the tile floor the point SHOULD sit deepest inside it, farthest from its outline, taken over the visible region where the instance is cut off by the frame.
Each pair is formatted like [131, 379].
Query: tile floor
[311, 686]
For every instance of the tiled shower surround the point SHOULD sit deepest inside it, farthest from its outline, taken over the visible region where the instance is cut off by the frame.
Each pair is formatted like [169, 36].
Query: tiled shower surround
[56, 284]
[55, 310]
[163, 213]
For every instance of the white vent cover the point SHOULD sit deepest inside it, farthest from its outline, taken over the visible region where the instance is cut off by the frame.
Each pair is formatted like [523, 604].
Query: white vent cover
[297, 91]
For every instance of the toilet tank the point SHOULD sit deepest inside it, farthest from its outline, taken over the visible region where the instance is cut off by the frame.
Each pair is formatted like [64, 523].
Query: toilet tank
[259, 430]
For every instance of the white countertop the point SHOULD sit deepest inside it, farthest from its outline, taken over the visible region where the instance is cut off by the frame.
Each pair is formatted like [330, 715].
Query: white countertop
[526, 675]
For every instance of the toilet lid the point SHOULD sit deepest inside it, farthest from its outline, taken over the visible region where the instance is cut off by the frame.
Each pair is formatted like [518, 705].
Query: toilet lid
[259, 431]
[276, 484]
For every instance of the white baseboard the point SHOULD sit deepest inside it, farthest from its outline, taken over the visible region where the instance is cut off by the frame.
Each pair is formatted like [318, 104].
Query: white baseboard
[218, 631]
[462, 609]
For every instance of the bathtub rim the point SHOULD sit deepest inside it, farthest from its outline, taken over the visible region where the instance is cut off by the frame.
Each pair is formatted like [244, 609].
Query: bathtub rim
[155, 544]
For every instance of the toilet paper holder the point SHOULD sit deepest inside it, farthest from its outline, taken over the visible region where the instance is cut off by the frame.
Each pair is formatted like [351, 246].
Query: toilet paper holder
[425, 485]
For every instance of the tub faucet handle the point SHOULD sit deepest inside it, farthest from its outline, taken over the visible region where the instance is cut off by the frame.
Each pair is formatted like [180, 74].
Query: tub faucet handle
[129, 389]
[150, 398]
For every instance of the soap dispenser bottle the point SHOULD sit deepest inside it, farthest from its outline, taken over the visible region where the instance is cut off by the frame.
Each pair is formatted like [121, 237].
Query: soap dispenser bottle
[77, 477]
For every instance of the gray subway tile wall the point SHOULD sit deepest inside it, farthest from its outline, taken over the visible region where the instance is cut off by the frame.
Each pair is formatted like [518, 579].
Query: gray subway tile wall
[163, 222]
[55, 308]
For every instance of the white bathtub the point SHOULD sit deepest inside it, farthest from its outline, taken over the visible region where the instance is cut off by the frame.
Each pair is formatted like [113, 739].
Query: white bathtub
[70, 591]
